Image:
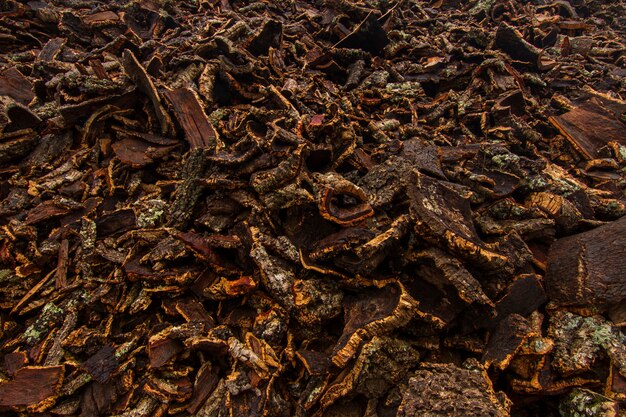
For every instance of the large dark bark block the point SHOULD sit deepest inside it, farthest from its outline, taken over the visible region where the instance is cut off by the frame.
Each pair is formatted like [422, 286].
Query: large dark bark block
[588, 269]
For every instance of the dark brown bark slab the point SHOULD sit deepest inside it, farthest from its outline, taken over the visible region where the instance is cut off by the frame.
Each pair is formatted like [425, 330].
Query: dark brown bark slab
[589, 129]
[586, 270]
[15, 85]
[198, 130]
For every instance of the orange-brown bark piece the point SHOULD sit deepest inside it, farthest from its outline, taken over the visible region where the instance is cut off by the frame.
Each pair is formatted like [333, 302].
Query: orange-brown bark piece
[31, 385]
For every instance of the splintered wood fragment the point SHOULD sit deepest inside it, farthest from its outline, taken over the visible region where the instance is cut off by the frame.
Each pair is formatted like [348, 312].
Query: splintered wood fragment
[589, 128]
[16, 86]
[26, 298]
[587, 269]
[62, 265]
[31, 385]
[188, 110]
[139, 75]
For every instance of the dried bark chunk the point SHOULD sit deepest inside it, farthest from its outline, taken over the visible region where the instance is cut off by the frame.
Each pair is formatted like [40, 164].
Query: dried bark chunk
[578, 341]
[372, 312]
[188, 110]
[205, 383]
[523, 296]
[14, 361]
[583, 402]
[342, 241]
[566, 215]
[16, 145]
[51, 49]
[443, 216]
[270, 36]
[505, 341]
[98, 399]
[15, 85]
[21, 117]
[382, 363]
[100, 18]
[118, 221]
[424, 156]
[277, 275]
[102, 365]
[48, 317]
[71, 113]
[132, 152]
[317, 300]
[372, 253]
[445, 390]
[139, 75]
[510, 41]
[586, 269]
[189, 191]
[286, 171]
[341, 201]
[315, 363]
[369, 35]
[589, 129]
[46, 211]
[449, 271]
[31, 385]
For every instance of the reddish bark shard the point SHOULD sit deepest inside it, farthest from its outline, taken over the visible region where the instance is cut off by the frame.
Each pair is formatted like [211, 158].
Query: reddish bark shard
[188, 110]
[15, 85]
[589, 128]
[31, 385]
[132, 152]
